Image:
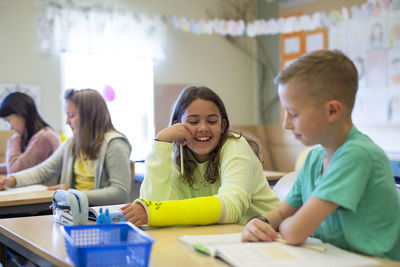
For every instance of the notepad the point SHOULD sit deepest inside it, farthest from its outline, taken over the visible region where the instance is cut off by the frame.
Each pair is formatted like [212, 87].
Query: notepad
[229, 248]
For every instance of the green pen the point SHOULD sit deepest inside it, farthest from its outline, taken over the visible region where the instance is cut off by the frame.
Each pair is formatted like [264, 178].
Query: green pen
[202, 249]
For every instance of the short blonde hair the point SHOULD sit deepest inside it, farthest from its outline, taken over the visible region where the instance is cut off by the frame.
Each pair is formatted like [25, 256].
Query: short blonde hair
[326, 74]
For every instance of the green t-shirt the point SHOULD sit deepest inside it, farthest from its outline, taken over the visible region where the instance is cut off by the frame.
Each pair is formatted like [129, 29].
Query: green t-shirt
[359, 179]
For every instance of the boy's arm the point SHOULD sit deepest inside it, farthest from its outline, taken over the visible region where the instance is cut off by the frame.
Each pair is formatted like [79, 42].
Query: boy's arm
[256, 230]
[297, 228]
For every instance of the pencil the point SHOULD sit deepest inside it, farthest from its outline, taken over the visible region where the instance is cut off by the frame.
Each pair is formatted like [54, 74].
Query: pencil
[181, 151]
[318, 248]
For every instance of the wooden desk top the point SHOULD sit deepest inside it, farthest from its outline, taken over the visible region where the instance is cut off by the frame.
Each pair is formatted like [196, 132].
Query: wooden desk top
[167, 250]
[39, 234]
[43, 236]
[27, 198]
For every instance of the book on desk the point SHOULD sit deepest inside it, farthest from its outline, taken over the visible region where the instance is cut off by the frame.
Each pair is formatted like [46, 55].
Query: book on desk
[229, 248]
[95, 210]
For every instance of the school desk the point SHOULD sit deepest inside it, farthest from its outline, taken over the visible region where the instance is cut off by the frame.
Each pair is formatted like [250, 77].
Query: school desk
[40, 239]
[28, 202]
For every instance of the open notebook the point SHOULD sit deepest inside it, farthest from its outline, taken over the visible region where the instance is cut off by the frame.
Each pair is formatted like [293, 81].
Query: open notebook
[229, 248]
[95, 210]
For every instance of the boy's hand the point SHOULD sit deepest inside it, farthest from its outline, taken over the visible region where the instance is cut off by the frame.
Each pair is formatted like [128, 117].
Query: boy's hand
[135, 213]
[257, 230]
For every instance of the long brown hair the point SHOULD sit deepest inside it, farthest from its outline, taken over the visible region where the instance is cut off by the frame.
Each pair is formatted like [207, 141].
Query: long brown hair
[187, 96]
[24, 106]
[94, 122]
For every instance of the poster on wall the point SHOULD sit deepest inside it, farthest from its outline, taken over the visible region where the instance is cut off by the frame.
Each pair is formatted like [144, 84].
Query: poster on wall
[394, 30]
[373, 44]
[377, 33]
[315, 40]
[394, 67]
[30, 89]
[376, 68]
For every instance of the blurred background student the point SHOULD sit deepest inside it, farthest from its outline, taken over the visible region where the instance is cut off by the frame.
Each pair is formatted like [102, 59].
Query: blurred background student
[95, 160]
[34, 139]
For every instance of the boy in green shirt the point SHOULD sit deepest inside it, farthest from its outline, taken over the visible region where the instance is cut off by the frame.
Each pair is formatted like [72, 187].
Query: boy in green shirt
[345, 193]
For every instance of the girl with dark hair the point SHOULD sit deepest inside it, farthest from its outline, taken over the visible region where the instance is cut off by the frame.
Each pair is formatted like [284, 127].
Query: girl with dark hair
[222, 179]
[34, 140]
[95, 160]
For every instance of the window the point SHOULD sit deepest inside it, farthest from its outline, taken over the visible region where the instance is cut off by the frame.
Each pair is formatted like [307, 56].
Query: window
[127, 86]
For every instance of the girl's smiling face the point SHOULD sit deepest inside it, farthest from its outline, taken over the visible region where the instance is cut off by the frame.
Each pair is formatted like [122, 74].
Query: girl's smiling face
[203, 120]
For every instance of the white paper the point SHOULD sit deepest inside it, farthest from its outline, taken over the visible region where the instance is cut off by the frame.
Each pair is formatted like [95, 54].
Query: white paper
[230, 248]
[111, 208]
[24, 189]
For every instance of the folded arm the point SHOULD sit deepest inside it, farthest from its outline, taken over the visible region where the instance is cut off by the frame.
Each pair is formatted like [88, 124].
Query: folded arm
[294, 224]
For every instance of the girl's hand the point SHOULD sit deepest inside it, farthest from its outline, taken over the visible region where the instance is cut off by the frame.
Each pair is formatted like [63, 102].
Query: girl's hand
[58, 186]
[135, 213]
[7, 182]
[175, 133]
[257, 230]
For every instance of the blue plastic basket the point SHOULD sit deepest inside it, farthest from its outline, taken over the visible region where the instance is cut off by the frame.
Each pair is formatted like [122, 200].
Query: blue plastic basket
[117, 244]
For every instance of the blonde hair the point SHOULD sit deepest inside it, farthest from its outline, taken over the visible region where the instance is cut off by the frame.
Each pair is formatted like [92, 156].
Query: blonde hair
[326, 75]
[94, 122]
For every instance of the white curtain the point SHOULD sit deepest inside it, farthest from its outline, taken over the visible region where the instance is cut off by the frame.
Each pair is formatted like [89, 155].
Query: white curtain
[101, 30]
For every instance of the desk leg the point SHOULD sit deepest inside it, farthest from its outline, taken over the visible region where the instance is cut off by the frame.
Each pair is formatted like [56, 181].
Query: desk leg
[3, 254]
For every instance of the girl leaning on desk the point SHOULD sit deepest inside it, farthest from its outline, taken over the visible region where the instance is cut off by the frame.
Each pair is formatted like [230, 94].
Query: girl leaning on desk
[95, 160]
[33, 141]
[220, 179]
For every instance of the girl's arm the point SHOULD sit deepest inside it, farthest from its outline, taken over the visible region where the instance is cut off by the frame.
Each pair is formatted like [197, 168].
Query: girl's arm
[161, 173]
[192, 211]
[244, 191]
[3, 168]
[175, 132]
[39, 148]
[117, 166]
[45, 171]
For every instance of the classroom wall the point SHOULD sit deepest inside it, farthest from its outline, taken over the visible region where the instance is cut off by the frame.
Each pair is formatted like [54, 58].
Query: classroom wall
[386, 136]
[208, 60]
[309, 7]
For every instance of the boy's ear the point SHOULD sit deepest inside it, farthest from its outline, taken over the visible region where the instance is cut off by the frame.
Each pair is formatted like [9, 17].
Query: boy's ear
[335, 110]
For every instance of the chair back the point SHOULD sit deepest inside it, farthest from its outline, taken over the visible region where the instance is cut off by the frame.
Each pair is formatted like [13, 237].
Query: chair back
[283, 186]
[131, 197]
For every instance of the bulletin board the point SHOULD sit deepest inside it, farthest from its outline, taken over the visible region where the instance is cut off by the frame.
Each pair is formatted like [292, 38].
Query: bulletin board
[373, 44]
[296, 44]
[292, 47]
